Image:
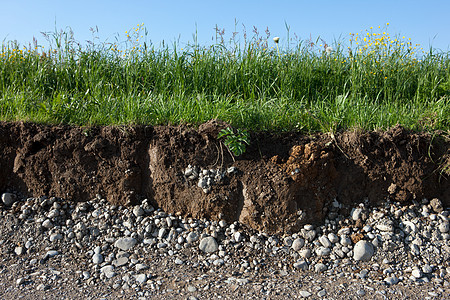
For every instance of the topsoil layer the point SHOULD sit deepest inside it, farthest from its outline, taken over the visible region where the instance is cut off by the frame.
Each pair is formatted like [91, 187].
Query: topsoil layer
[283, 180]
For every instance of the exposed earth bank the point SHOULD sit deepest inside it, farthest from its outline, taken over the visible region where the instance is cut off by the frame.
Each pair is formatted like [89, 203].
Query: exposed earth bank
[281, 182]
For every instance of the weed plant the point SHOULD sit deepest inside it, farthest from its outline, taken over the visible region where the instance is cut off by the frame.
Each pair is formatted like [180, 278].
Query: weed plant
[371, 81]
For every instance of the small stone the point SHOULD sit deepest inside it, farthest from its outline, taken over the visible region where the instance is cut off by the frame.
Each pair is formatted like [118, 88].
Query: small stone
[140, 267]
[108, 271]
[297, 244]
[125, 243]
[138, 211]
[363, 251]
[302, 265]
[391, 280]
[191, 237]
[416, 273]
[141, 278]
[360, 292]
[20, 281]
[51, 253]
[427, 269]
[208, 245]
[237, 236]
[305, 253]
[323, 251]
[97, 258]
[333, 238]
[191, 289]
[305, 294]
[325, 241]
[320, 267]
[47, 224]
[436, 204]
[121, 261]
[55, 237]
[321, 293]
[444, 227]
[356, 214]
[8, 199]
[178, 261]
[19, 250]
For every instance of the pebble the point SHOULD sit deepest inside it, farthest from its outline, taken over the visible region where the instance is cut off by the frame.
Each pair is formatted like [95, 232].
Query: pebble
[125, 243]
[297, 244]
[305, 294]
[97, 258]
[208, 245]
[363, 251]
[8, 199]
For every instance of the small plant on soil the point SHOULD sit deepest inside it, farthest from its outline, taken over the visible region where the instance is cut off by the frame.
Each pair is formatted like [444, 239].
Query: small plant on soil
[235, 140]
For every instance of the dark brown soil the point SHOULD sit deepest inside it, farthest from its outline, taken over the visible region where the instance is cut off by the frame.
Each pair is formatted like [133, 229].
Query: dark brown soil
[279, 177]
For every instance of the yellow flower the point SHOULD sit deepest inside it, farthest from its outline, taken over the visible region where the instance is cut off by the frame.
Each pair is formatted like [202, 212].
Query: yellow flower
[387, 24]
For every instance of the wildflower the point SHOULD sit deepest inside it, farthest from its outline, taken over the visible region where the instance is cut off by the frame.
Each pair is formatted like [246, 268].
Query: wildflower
[329, 50]
[276, 39]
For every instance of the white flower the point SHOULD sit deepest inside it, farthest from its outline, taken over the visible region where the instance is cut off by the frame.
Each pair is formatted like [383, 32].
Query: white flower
[276, 39]
[329, 50]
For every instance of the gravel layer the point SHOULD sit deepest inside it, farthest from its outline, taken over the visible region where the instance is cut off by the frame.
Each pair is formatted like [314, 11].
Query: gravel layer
[56, 249]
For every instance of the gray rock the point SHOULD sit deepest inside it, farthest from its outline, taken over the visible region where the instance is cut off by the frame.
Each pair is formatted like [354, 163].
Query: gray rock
[192, 237]
[305, 294]
[208, 245]
[320, 267]
[97, 258]
[363, 251]
[436, 204]
[297, 244]
[444, 227]
[302, 265]
[51, 253]
[325, 241]
[391, 280]
[141, 278]
[323, 251]
[108, 271]
[8, 199]
[125, 243]
[138, 211]
[121, 261]
[416, 273]
[19, 250]
[140, 267]
[427, 269]
[47, 224]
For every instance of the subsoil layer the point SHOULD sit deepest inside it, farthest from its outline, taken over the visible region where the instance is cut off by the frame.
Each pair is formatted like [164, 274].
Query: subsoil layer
[282, 181]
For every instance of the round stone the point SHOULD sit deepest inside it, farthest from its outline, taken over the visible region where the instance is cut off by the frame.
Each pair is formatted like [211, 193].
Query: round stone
[97, 258]
[325, 241]
[444, 227]
[305, 294]
[192, 237]
[141, 278]
[297, 244]
[416, 273]
[363, 251]
[8, 199]
[320, 267]
[208, 245]
[125, 243]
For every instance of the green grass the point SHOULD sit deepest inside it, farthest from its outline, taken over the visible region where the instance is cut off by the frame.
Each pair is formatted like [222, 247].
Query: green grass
[250, 83]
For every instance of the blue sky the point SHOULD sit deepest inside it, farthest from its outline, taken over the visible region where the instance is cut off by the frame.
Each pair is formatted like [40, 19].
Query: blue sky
[425, 22]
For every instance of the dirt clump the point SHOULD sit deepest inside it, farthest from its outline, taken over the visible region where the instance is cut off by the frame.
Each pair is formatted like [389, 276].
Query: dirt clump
[284, 180]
